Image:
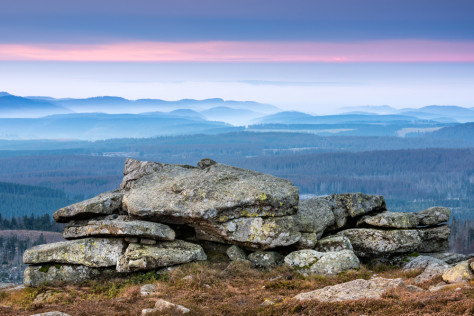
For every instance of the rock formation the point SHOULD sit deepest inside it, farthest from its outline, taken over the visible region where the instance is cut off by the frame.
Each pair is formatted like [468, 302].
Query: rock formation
[164, 215]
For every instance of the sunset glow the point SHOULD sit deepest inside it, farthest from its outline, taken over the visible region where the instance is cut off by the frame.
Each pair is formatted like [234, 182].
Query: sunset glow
[226, 51]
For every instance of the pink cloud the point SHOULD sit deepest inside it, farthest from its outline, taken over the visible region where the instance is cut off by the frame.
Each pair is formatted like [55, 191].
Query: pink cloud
[377, 51]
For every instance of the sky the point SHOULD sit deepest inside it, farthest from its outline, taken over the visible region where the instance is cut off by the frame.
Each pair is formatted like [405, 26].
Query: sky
[309, 55]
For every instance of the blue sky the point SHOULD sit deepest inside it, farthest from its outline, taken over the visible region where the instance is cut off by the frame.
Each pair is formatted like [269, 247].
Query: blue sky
[305, 55]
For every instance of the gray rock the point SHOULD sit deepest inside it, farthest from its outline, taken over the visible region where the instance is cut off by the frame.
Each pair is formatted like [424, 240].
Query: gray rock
[315, 215]
[162, 305]
[350, 205]
[307, 241]
[91, 252]
[333, 243]
[459, 273]
[264, 259]
[307, 262]
[57, 274]
[147, 290]
[434, 239]
[414, 288]
[135, 170]
[139, 257]
[369, 242]
[433, 216]
[235, 253]
[260, 233]
[431, 267]
[353, 290]
[212, 197]
[448, 257]
[334, 212]
[390, 220]
[103, 204]
[429, 217]
[118, 226]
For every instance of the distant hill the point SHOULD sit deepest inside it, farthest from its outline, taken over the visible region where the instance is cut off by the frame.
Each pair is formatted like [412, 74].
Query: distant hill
[13, 106]
[97, 126]
[230, 115]
[461, 131]
[37, 106]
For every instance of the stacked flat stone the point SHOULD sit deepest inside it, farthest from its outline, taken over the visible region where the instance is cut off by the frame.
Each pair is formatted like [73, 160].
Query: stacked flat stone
[139, 226]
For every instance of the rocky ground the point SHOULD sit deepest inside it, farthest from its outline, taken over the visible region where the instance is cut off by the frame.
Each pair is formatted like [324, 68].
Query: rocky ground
[223, 288]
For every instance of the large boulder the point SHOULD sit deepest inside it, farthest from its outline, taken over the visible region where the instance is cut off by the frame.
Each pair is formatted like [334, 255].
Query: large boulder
[307, 261]
[318, 214]
[353, 290]
[430, 266]
[103, 204]
[139, 257]
[118, 226]
[448, 257]
[377, 242]
[57, 274]
[91, 252]
[218, 199]
[429, 217]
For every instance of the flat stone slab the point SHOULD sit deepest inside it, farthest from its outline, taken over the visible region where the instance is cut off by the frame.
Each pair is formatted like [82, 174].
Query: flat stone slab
[118, 226]
[58, 274]
[373, 242]
[353, 290]
[429, 217]
[307, 262]
[139, 257]
[333, 243]
[91, 252]
[103, 204]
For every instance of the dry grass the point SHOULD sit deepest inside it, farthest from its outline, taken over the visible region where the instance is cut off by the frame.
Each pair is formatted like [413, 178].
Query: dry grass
[237, 289]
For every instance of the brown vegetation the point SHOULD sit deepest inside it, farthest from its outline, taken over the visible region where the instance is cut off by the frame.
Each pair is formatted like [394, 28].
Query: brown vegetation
[236, 289]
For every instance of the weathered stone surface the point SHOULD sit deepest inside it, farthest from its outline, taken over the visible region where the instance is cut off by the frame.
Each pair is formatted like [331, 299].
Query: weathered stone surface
[433, 216]
[315, 215]
[135, 170]
[307, 241]
[261, 233]
[434, 239]
[390, 220]
[91, 252]
[459, 273]
[431, 267]
[103, 204]
[368, 241]
[139, 257]
[429, 217]
[235, 253]
[264, 259]
[448, 257]
[308, 261]
[353, 290]
[471, 264]
[333, 243]
[118, 226]
[333, 212]
[213, 197]
[147, 290]
[350, 205]
[57, 274]
[162, 305]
